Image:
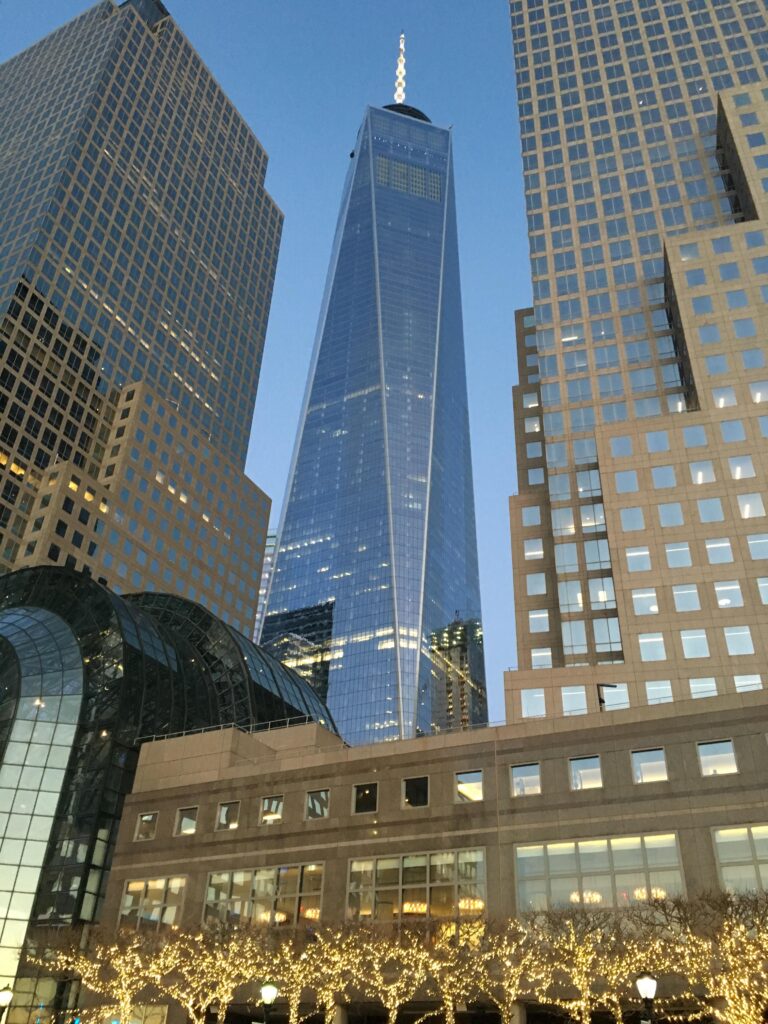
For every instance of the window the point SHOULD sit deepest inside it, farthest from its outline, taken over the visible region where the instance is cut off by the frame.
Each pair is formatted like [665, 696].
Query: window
[416, 791]
[670, 514]
[152, 905]
[663, 477]
[612, 696]
[538, 621]
[741, 467]
[535, 584]
[271, 810]
[762, 589]
[717, 758]
[585, 772]
[574, 700]
[228, 815]
[686, 597]
[746, 683]
[718, 550]
[286, 895]
[678, 554]
[611, 872]
[728, 594]
[652, 647]
[702, 472]
[448, 884]
[525, 779]
[649, 765]
[738, 640]
[758, 546]
[531, 516]
[638, 559]
[365, 798]
[533, 549]
[645, 601]
[695, 643]
[632, 519]
[742, 857]
[569, 596]
[318, 803]
[751, 506]
[626, 481]
[533, 703]
[146, 826]
[601, 592]
[705, 686]
[468, 787]
[186, 821]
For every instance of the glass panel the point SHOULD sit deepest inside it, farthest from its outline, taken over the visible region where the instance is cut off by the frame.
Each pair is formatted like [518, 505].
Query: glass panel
[469, 786]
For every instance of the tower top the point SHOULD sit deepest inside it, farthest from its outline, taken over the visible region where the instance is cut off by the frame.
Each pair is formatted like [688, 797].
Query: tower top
[400, 72]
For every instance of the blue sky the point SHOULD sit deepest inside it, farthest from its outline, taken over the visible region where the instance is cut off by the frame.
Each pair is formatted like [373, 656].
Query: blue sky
[301, 72]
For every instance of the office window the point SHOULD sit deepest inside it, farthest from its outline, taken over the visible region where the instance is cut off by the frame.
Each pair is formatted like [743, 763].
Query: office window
[446, 884]
[574, 700]
[533, 703]
[416, 791]
[678, 554]
[762, 589]
[657, 441]
[146, 826]
[585, 772]
[710, 510]
[186, 821]
[638, 559]
[670, 514]
[686, 597]
[742, 857]
[717, 758]
[468, 787]
[612, 696]
[652, 647]
[365, 798]
[747, 683]
[645, 601]
[718, 550]
[611, 872]
[649, 765]
[535, 584]
[541, 657]
[533, 549]
[695, 643]
[286, 895]
[632, 519]
[705, 686]
[538, 621]
[738, 640]
[741, 467]
[152, 905]
[626, 481]
[758, 391]
[271, 810]
[601, 592]
[228, 815]
[318, 804]
[758, 546]
[751, 506]
[525, 779]
[569, 596]
[663, 477]
[658, 691]
[702, 472]
[728, 594]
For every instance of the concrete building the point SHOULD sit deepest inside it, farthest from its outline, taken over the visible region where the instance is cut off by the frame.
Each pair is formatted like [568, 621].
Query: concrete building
[136, 268]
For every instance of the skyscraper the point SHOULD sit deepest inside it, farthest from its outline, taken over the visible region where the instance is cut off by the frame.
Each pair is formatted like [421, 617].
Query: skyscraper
[377, 549]
[137, 256]
[639, 539]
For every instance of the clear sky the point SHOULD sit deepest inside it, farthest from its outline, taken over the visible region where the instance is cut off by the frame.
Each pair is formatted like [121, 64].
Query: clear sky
[301, 72]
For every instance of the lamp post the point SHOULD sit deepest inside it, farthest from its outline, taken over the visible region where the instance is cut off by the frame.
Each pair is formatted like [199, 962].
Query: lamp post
[646, 989]
[6, 995]
[268, 996]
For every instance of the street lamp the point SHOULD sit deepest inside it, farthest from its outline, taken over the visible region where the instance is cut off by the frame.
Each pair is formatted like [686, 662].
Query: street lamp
[268, 996]
[646, 988]
[6, 995]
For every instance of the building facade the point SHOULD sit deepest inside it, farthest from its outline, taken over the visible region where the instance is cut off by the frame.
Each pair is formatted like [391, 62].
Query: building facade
[377, 548]
[138, 248]
[638, 533]
[85, 677]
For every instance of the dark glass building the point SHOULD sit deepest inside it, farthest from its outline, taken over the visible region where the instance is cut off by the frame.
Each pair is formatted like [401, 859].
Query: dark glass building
[378, 529]
[85, 677]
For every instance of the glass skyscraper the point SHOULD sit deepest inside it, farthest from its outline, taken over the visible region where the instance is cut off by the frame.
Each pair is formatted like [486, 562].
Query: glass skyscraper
[638, 534]
[377, 551]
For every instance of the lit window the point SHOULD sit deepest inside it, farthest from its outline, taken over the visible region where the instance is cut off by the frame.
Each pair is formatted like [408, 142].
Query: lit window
[703, 687]
[585, 772]
[728, 594]
[658, 691]
[695, 643]
[146, 826]
[751, 506]
[645, 602]
[525, 779]
[365, 798]
[686, 597]
[416, 791]
[271, 810]
[738, 640]
[228, 815]
[533, 549]
[741, 467]
[469, 787]
[186, 821]
[742, 857]
[574, 700]
[718, 550]
[152, 905]
[638, 559]
[758, 546]
[758, 390]
[649, 765]
[746, 683]
[717, 758]
[612, 696]
[541, 657]
[678, 554]
[652, 647]
[538, 621]
[702, 472]
[601, 593]
[286, 895]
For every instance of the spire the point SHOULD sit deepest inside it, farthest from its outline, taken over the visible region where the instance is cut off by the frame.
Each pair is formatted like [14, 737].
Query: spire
[400, 73]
